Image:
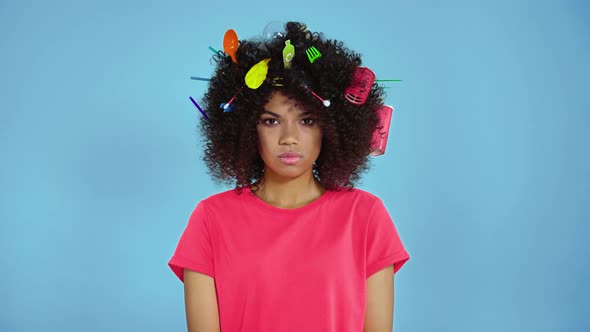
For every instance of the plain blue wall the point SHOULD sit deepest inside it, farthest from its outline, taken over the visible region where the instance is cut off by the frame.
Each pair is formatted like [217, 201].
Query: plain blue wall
[486, 173]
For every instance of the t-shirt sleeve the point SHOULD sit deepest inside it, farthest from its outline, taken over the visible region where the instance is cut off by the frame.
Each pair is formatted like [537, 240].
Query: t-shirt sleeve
[194, 250]
[384, 246]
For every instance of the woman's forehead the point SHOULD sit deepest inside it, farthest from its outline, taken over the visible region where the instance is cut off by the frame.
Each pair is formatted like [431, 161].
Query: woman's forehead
[280, 102]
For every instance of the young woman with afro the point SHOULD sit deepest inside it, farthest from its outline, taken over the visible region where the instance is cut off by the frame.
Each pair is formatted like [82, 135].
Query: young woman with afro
[294, 246]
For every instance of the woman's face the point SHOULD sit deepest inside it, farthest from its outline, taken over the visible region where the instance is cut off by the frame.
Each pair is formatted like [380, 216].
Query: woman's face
[289, 137]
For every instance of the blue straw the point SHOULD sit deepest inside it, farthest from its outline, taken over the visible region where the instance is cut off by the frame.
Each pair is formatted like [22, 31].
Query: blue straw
[199, 107]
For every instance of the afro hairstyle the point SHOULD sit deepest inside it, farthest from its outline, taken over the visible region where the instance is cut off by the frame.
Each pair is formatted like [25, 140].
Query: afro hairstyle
[230, 138]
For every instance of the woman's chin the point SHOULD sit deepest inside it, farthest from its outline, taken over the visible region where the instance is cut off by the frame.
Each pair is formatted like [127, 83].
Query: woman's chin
[288, 171]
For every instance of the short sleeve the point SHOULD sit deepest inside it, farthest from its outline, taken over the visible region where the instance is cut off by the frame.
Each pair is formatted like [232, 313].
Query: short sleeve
[384, 246]
[194, 249]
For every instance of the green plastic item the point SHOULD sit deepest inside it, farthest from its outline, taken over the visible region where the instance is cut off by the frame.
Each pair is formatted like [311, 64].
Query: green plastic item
[288, 54]
[313, 54]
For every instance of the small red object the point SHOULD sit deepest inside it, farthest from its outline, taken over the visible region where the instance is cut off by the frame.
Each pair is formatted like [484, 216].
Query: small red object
[360, 85]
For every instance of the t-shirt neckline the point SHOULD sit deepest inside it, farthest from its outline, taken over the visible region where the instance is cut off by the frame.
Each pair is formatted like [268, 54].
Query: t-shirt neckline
[252, 198]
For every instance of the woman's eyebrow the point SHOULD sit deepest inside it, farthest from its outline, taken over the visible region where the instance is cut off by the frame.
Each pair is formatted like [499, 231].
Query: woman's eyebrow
[271, 113]
[301, 114]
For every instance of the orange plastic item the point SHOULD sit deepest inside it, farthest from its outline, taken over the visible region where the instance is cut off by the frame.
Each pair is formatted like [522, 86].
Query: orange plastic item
[230, 44]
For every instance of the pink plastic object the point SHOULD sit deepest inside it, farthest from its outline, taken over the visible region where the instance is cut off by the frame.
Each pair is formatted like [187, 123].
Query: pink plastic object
[379, 142]
[360, 85]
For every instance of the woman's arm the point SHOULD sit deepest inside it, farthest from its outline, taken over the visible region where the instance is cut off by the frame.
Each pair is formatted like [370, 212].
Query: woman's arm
[379, 309]
[200, 298]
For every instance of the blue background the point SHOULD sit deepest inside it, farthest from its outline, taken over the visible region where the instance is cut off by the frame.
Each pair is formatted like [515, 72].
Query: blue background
[486, 172]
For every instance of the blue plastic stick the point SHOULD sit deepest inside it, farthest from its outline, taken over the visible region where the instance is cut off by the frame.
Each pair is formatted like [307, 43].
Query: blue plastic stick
[199, 107]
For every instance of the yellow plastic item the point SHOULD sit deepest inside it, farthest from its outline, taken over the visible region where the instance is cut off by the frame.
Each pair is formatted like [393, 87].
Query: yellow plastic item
[257, 74]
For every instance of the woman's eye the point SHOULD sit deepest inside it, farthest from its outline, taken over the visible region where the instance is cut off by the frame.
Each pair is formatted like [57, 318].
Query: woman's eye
[272, 122]
[268, 121]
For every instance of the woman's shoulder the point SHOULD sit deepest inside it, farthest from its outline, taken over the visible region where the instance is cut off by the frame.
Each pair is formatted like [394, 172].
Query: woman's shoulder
[355, 194]
[223, 198]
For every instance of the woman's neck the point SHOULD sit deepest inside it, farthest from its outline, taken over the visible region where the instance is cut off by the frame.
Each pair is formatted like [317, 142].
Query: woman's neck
[290, 193]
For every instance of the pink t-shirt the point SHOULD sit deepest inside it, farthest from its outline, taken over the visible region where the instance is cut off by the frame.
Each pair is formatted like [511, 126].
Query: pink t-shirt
[302, 269]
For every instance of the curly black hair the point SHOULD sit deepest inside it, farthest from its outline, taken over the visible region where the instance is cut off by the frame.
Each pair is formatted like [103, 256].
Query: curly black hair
[230, 138]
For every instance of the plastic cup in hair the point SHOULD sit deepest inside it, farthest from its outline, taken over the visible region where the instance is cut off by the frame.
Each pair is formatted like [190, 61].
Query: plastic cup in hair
[274, 29]
[381, 133]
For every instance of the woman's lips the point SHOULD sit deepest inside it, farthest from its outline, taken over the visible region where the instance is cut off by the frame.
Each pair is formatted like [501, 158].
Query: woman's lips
[290, 158]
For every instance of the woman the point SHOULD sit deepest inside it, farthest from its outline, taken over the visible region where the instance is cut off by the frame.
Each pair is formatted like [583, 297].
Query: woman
[294, 246]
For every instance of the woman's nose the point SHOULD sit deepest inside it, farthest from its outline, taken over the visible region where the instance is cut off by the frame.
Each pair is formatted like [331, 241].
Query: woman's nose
[289, 133]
